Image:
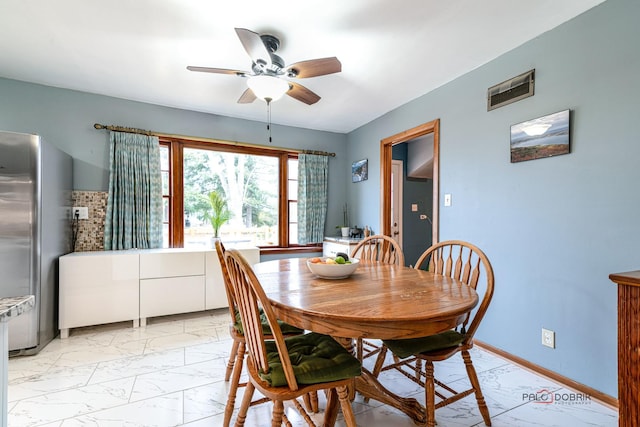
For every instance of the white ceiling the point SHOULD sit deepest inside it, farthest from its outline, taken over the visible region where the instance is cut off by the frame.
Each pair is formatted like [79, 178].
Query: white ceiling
[391, 51]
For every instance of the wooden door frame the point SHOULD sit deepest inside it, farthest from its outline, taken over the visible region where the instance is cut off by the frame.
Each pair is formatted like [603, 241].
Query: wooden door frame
[386, 156]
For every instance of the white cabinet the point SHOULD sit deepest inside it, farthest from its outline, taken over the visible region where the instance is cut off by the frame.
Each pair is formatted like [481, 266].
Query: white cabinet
[215, 294]
[98, 289]
[171, 282]
[115, 286]
[333, 245]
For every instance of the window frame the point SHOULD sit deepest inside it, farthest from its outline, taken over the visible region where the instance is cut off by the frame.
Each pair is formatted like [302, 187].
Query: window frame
[168, 196]
[176, 189]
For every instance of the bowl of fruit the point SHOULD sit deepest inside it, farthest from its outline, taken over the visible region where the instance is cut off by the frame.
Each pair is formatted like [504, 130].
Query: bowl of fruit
[338, 267]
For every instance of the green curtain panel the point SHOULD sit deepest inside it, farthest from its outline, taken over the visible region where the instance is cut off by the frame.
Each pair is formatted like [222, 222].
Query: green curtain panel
[313, 182]
[134, 206]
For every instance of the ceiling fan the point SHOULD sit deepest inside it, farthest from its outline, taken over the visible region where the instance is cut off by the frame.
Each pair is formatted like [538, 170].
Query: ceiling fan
[269, 77]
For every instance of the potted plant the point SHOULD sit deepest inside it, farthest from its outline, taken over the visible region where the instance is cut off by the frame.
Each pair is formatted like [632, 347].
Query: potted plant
[219, 213]
[344, 228]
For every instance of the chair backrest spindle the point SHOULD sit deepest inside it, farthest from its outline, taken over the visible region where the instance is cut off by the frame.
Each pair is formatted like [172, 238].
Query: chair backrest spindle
[379, 248]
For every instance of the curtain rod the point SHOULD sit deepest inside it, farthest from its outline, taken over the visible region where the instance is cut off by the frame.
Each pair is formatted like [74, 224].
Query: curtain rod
[202, 139]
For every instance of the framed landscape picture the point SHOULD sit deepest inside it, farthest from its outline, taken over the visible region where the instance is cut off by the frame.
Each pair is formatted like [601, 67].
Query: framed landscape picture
[359, 170]
[542, 137]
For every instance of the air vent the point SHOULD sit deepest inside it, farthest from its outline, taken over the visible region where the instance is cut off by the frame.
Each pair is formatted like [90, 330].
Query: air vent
[511, 90]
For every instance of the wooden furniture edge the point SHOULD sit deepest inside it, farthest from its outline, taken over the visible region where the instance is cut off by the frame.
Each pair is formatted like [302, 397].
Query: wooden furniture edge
[600, 397]
[629, 278]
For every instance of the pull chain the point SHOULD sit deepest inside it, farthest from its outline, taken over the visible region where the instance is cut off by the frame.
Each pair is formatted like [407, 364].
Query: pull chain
[269, 117]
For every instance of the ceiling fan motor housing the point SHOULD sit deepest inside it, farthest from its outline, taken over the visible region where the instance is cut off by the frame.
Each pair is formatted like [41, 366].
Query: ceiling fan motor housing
[272, 43]
[277, 64]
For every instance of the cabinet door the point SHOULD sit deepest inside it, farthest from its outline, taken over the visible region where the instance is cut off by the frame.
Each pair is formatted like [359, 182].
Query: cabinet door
[171, 295]
[171, 264]
[216, 296]
[215, 293]
[96, 289]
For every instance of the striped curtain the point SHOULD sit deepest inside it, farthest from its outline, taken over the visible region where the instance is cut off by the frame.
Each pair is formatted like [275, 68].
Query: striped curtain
[134, 206]
[313, 182]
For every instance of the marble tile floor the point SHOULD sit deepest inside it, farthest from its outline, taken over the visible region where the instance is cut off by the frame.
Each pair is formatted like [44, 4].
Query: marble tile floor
[171, 373]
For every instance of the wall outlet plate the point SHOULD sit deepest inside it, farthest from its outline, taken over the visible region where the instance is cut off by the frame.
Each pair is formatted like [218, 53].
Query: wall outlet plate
[548, 338]
[83, 212]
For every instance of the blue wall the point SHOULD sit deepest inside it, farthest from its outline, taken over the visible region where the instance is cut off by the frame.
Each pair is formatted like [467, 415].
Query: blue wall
[65, 118]
[554, 228]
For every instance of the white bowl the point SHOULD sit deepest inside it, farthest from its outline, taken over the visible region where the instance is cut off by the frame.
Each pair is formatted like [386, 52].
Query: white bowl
[333, 271]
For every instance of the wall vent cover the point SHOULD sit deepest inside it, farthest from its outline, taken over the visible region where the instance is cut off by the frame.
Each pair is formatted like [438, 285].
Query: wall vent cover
[511, 90]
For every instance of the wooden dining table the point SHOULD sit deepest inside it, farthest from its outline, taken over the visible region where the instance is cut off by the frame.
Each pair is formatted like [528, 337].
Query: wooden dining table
[378, 301]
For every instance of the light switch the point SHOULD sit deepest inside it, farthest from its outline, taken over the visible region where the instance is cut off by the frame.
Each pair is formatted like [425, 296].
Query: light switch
[447, 199]
[414, 207]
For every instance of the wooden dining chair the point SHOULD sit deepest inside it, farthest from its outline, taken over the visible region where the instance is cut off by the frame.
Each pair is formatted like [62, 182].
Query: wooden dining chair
[466, 263]
[376, 248]
[284, 369]
[379, 248]
[236, 358]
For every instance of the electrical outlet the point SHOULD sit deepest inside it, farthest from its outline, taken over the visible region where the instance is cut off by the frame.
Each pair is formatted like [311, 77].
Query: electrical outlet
[81, 212]
[548, 338]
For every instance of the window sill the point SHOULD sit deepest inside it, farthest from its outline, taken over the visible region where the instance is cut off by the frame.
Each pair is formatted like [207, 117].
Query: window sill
[294, 249]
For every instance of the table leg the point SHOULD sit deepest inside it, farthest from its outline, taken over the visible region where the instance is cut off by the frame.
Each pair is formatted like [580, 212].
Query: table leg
[369, 386]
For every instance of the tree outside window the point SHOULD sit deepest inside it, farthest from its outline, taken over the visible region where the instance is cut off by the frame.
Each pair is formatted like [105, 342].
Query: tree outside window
[248, 184]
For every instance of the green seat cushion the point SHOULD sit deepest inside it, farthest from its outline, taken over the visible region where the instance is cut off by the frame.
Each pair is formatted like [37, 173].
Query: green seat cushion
[315, 358]
[286, 328]
[413, 346]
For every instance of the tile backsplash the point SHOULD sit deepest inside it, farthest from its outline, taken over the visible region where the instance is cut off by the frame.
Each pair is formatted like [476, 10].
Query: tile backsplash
[91, 231]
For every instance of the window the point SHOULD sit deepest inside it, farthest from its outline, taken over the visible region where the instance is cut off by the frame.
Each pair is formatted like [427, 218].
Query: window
[259, 188]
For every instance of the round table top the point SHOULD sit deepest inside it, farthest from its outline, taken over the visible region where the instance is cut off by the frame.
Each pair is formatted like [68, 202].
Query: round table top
[377, 301]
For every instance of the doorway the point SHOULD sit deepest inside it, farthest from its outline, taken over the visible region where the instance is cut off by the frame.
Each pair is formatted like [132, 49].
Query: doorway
[397, 167]
[386, 161]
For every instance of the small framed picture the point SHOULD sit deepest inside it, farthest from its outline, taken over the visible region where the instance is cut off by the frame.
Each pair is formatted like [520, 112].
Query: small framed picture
[545, 136]
[359, 170]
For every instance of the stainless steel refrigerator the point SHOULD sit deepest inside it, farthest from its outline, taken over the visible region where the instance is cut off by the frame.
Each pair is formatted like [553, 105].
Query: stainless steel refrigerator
[35, 205]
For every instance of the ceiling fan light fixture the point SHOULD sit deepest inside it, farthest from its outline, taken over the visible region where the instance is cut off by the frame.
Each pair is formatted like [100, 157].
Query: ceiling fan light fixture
[268, 87]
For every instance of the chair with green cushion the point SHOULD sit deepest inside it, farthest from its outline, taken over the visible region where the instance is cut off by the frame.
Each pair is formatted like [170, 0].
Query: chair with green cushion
[385, 250]
[236, 358]
[414, 357]
[284, 369]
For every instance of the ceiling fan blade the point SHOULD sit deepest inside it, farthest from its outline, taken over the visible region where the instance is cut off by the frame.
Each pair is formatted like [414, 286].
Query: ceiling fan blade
[314, 68]
[302, 94]
[247, 97]
[218, 71]
[254, 46]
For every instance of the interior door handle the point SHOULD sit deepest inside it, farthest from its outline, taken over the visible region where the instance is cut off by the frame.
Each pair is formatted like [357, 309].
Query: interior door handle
[395, 233]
